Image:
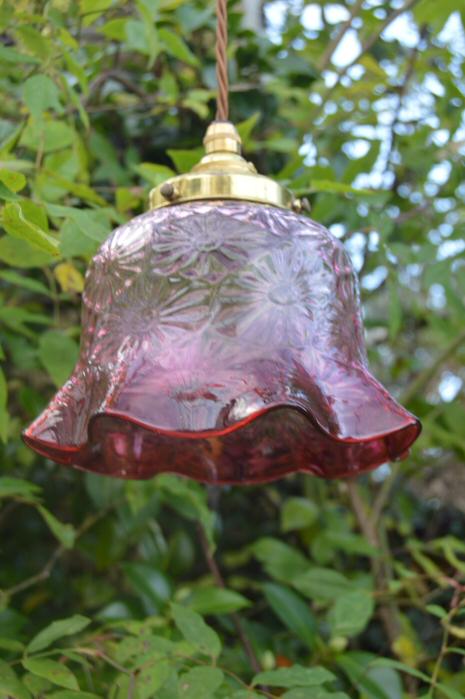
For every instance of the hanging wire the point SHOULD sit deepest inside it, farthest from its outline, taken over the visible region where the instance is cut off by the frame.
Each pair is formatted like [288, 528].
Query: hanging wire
[222, 107]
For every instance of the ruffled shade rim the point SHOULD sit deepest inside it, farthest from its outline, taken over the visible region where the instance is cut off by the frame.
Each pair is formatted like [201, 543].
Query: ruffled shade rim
[352, 455]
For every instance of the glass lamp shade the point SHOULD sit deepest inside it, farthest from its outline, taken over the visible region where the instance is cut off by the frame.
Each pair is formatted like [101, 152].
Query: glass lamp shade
[222, 341]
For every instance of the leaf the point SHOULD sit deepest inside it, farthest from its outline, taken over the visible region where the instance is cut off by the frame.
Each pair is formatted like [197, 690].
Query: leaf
[35, 42]
[358, 675]
[11, 645]
[349, 543]
[434, 13]
[10, 55]
[295, 676]
[74, 243]
[47, 135]
[153, 173]
[322, 584]
[402, 667]
[40, 93]
[15, 318]
[298, 513]
[216, 600]
[92, 224]
[57, 673]
[152, 677]
[6, 194]
[15, 487]
[10, 684]
[189, 499]
[57, 629]
[246, 127]
[200, 682]
[449, 692]
[93, 8]
[294, 613]
[150, 584]
[24, 282]
[351, 613]
[58, 353]
[69, 694]
[80, 190]
[372, 66]
[316, 694]
[177, 47]
[457, 631]
[196, 631]
[335, 188]
[436, 610]
[16, 222]
[19, 253]
[69, 278]
[280, 560]
[15, 181]
[388, 679]
[184, 160]
[114, 29]
[4, 415]
[65, 533]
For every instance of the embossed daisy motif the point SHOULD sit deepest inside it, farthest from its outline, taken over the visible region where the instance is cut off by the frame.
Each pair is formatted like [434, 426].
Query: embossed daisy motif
[272, 301]
[206, 246]
[154, 311]
[117, 264]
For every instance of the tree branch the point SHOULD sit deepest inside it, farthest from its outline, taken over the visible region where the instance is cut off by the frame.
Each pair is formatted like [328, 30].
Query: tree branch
[379, 565]
[366, 46]
[325, 59]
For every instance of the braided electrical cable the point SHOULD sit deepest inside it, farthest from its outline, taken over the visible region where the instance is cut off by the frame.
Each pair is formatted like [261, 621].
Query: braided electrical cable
[222, 110]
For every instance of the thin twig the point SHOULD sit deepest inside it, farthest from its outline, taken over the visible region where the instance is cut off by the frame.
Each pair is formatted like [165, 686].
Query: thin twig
[366, 46]
[56, 555]
[218, 578]
[118, 76]
[388, 611]
[325, 59]
[454, 609]
[402, 91]
[421, 383]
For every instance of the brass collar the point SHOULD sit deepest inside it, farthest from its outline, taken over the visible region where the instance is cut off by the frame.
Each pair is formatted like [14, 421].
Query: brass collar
[223, 174]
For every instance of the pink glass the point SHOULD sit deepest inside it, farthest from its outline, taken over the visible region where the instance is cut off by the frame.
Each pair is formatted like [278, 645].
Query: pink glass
[224, 342]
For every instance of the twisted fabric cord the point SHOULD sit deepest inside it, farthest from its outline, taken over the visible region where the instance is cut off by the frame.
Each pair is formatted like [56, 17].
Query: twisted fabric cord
[222, 109]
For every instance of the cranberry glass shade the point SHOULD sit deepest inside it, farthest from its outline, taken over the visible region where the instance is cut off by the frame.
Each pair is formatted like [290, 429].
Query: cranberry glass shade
[222, 341]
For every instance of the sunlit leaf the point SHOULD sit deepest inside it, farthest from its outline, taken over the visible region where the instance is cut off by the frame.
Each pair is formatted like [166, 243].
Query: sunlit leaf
[18, 224]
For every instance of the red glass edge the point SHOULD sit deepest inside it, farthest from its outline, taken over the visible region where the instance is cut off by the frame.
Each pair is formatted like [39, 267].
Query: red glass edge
[68, 455]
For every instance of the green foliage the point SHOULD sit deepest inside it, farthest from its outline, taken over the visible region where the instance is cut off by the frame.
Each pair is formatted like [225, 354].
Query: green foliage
[112, 590]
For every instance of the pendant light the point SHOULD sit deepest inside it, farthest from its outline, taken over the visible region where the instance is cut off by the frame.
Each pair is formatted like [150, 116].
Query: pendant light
[222, 338]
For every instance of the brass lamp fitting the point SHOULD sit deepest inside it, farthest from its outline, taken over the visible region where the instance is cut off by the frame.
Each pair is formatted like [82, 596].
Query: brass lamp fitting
[223, 174]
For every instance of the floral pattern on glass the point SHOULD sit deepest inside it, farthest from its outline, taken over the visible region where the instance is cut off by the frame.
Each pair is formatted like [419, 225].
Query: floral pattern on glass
[206, 246]
[222, 341]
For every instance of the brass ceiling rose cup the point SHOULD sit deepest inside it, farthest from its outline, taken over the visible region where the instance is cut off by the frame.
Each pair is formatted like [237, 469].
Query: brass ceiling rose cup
[223, 174]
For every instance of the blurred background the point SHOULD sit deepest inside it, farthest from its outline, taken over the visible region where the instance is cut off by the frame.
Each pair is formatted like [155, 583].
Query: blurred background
[357, 105]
